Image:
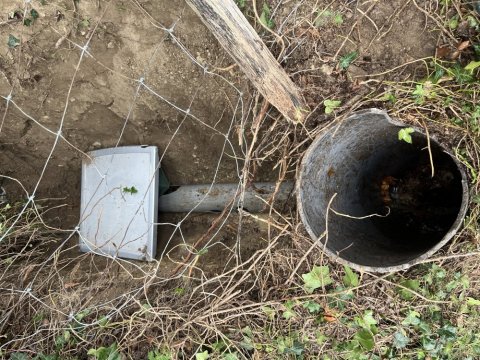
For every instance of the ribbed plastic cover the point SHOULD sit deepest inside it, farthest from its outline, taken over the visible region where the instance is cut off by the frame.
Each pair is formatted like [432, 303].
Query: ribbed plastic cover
[119, 202]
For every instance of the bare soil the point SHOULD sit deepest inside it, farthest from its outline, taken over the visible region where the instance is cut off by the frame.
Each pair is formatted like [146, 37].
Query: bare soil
[127, 44]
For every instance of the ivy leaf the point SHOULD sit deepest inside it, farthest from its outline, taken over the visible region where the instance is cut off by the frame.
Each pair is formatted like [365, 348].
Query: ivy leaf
[367, 321]
[318, 277]
[312, 306]
[346, 60]
[405, 134]
[400, 340]
[13, 41]
[413, 318]
[365, 338]
[331, 105]
[350, 279]
[202, 356]
[230, 356]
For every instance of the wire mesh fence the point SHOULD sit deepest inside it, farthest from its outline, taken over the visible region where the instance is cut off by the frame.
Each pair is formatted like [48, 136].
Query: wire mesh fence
[84, 75]
[89, 75]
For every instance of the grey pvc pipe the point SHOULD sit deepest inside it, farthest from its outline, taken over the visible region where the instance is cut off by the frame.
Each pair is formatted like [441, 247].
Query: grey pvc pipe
[387, 212]
[207, 198]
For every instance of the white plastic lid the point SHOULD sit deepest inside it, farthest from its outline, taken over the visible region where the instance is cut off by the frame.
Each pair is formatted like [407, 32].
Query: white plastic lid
[119, 202]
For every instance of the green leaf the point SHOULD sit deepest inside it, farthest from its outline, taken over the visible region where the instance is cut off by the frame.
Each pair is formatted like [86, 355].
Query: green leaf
[367, 321]
[269, 311]
[461, 75]
[27, 22]
[419, 94]
[346, 60]
[289, 313]
[404, 134]
[365, 339]
[230, 356]
[34, 14]
[202, 251]
[19, 356]
[312, 306]
[132, 190]
[413, 318]
[476, 49]
[82, 314]
[265, 17]
[473, 302]
[389, 97]
[472, 65]
[103, 353]
[453, 23]
[103, 321]
[160, 355]
[240, 3]
[322, 17]
[325, 17]
[472, 22]
[318, 277]
[350, 279]
[41, 356]
[400, 339]
[13, 41]
[179, 291]
[331, 105]
[297, 348]
[409, 284]
[247, 343]
[202, 356]
[338, 19]
[320, 338]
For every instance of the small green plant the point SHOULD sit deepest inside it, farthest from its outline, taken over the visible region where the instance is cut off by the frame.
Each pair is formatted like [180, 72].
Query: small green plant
[424, 92]
[346, 60]
[326, 17]
[131, 190]
[289, 313]
[13, 41]
[31, 19]
[241, 3]
[331, 105]
[312, 306]
[265, 17]
[350, 279]
[202, 355]
[365, 335]
[290, 345]
[106, 353]
[405, 134]
[85, 22]
[159, 355]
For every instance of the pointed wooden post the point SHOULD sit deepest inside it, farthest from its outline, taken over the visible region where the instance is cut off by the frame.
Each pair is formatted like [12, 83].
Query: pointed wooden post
[241, 41]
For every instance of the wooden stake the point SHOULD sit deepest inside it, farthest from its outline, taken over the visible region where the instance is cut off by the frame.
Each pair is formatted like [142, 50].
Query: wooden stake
[239, 39]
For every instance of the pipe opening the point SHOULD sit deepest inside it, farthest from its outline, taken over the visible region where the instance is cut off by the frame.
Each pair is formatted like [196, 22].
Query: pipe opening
[421, 208]
[371, 171]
